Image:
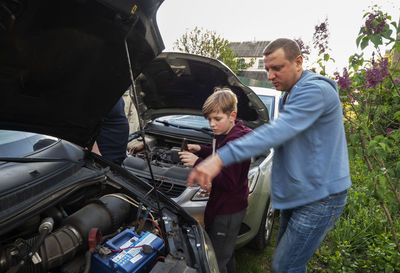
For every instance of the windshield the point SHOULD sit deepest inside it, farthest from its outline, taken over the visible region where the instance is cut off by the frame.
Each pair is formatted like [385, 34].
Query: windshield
[200, 122]
[186, 120]
[269, 102]
[19, 144]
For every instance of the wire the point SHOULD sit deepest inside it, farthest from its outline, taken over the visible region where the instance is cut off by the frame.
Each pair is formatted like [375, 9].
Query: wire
[141, 129]
[130, 247]
[158, 228]
[129, 200]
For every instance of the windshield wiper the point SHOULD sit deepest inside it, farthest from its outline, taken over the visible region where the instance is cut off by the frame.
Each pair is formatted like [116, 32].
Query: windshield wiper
[205, 130]
[33, 159]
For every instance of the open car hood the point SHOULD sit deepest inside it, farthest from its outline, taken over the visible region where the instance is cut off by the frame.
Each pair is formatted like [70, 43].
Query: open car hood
[63, 64]
[179, 83]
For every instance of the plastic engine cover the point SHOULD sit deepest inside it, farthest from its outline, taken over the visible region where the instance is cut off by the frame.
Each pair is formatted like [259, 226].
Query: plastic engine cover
[129, 259]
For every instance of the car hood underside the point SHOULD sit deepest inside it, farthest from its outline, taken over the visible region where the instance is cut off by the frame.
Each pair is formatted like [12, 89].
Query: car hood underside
[64, 64]
[179, 83]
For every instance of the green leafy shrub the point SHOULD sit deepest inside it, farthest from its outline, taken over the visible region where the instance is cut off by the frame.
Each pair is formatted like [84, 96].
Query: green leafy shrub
[365, 238]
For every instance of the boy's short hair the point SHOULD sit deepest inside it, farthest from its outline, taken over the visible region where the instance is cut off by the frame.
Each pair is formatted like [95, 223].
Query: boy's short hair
[223, 99]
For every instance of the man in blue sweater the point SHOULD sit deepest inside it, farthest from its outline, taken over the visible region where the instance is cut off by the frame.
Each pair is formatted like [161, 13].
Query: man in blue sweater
[310, 173]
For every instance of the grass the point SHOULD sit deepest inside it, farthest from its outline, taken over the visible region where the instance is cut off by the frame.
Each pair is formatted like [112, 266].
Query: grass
[249, 260]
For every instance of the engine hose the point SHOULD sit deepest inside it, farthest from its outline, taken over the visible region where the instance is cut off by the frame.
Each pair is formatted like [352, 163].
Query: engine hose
[107, 214]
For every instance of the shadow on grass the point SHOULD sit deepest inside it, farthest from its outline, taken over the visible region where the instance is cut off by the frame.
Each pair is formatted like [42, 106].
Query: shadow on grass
[249, 260]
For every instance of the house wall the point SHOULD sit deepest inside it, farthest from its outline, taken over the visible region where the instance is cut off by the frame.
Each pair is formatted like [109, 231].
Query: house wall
[131, 113]
[258, 64]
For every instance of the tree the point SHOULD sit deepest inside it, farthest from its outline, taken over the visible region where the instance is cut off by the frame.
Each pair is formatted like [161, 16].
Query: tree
[209, 44]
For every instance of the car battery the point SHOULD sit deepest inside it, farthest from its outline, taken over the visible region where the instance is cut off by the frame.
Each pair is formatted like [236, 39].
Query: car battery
[130, 257]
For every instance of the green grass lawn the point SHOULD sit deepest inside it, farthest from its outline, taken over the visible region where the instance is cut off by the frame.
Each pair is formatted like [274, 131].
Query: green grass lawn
[249, 260]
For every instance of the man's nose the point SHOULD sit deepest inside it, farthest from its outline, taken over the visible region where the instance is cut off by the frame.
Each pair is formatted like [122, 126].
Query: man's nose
[271, 75]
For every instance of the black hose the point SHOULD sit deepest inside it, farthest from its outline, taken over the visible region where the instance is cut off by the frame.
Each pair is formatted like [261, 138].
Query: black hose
[88, 261]
[44, 229]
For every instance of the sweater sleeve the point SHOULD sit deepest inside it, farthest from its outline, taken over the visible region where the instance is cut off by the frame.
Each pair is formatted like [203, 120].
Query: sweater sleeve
[205, 150]
[305, 107]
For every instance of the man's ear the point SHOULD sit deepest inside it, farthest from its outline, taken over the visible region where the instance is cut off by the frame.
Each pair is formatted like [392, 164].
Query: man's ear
[232, 116]
[299, 62]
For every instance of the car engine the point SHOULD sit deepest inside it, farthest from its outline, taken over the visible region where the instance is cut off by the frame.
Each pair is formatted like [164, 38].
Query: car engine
[100, 229]
[168, 171]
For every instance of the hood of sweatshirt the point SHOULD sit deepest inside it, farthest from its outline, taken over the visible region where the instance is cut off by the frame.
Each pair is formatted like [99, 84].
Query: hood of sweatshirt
[238, 130]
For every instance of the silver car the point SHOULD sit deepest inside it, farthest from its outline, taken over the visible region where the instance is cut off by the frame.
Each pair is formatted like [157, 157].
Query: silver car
[169, 101]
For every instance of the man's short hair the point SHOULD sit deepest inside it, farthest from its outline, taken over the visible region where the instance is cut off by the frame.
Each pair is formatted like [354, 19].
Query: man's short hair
[223, 99]
[290, 47]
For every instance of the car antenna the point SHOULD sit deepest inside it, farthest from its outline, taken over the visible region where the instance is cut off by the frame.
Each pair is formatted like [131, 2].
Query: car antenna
[141, 129]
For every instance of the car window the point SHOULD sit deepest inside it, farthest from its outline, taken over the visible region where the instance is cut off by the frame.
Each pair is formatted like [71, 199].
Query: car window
[186, 120]
[19, 144]
[269, 102]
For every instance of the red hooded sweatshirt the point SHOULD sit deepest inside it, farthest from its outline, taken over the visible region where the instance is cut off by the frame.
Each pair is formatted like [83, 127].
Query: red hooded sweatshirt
[230, 189]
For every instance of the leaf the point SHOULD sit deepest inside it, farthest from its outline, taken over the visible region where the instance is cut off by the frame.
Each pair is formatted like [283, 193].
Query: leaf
[359, 38]
[387, 34]
[382, 181]
[376, 40]
[380, 193]
[384, 147]
[326, 57]
[397, 115]
[397, 47]
[364, 42]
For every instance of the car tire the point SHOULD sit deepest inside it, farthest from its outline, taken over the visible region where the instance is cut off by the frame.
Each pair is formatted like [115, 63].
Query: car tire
[263, 236]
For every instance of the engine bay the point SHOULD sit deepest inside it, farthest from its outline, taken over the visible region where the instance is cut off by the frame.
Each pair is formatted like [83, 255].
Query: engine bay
[101, 228]
[168, 171]
[162, 152]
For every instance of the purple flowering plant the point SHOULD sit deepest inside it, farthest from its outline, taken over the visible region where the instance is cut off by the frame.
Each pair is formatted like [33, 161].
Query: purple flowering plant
[377, 73]
[376, 29]
[344, 81]
[321, 44]
[304, 49]
[370, 95]
[320, 37]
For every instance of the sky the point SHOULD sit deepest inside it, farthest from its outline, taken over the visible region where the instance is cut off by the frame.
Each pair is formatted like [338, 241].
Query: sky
[260, 20]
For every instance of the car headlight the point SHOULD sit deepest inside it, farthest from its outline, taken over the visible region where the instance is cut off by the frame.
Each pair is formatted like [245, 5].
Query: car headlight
[210, 253]
[253, 176]
[200, 195]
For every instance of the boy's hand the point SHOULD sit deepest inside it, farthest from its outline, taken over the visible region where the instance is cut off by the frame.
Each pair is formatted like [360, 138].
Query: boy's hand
[188, 158]
[205, 172]
[193, 148]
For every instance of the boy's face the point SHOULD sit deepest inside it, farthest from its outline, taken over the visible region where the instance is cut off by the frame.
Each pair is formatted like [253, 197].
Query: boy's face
[221, 123]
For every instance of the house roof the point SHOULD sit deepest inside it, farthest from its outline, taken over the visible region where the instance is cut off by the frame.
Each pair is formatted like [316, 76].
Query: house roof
[249, 49]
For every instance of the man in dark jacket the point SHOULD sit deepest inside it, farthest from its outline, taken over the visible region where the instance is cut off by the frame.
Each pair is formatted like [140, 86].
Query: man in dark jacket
[113, 138]
[227, 203]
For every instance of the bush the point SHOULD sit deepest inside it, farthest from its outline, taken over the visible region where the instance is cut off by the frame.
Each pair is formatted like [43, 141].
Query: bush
[361, 240]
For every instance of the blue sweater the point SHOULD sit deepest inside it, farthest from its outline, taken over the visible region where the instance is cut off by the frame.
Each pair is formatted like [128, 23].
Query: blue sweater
[311, 160]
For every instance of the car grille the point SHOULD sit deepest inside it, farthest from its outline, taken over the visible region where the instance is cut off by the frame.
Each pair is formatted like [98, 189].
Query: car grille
[170, 189]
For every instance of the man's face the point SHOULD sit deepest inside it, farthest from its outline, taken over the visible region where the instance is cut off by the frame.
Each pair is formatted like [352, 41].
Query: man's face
[281, 72]
[221, 123]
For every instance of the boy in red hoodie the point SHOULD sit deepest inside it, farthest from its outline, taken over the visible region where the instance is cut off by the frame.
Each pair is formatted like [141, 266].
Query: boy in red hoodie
[227, 203]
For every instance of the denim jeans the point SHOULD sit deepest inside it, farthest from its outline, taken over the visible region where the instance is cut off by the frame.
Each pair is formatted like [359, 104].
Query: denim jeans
[302, 230]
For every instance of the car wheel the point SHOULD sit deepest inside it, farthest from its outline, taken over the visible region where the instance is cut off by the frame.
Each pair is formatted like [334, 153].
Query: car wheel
[263, 236]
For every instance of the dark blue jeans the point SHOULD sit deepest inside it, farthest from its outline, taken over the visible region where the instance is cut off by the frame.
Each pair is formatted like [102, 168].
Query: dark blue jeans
[302, 230]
